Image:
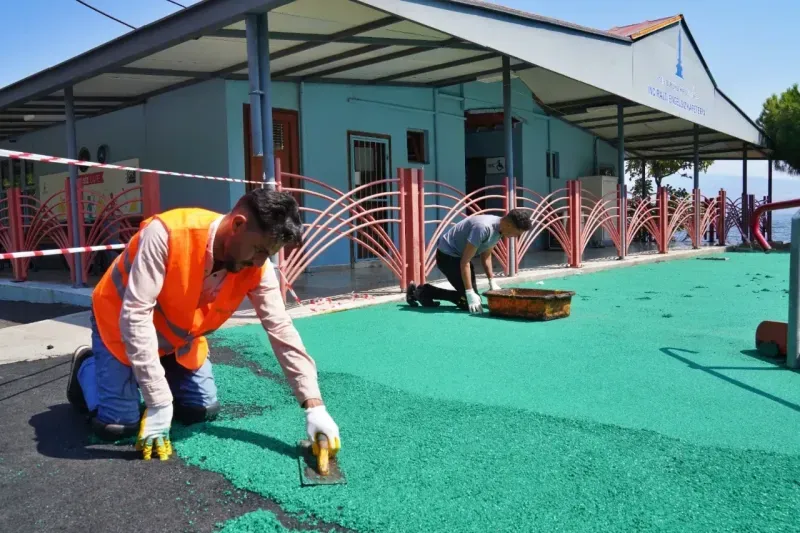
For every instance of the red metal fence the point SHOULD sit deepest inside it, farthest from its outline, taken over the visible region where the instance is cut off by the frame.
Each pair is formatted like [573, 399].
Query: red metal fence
[366, 215]
[397, 220]
[28, 223]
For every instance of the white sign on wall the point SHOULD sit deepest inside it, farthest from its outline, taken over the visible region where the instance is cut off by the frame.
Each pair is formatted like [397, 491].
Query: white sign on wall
[668, 69]
[495, 165]
[100, 186]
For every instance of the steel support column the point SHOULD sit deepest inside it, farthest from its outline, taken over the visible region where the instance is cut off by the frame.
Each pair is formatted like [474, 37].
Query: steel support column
[745, 200]
[623, 217]
[259, 74]
[508, 134]
[265, 82]
[253, 76]
[792, 348]
[696, 198]
[72, 153]
[769, 200]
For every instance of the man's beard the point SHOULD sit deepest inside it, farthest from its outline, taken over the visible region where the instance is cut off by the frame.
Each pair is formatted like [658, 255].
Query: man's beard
[232, 266]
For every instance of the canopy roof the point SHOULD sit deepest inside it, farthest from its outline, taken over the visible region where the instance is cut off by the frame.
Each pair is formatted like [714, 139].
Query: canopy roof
[577, 74]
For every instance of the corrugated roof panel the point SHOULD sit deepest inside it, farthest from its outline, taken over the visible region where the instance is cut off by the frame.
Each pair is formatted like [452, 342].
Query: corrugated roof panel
[641, 29]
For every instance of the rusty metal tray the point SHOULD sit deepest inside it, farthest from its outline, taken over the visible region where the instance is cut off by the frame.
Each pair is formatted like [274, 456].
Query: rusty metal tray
[530, 304]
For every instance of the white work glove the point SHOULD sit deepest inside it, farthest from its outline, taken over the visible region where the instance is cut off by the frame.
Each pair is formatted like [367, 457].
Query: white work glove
[319, 422]
[493, 286]
[154, 432]
[474, 302]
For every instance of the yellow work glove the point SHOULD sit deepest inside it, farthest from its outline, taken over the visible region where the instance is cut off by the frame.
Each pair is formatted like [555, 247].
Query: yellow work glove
[154, 432]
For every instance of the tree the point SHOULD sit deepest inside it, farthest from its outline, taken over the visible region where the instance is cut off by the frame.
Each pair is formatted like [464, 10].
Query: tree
[780, 120]
[658, 170]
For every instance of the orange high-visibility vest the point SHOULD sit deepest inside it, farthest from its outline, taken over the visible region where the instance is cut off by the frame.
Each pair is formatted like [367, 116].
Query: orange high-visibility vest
[180, 321]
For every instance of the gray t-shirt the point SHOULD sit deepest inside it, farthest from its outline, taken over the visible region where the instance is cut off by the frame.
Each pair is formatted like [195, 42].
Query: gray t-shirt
[482, 231]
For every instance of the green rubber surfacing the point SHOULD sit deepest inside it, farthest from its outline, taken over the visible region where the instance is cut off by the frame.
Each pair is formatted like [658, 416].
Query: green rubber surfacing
[645, 410]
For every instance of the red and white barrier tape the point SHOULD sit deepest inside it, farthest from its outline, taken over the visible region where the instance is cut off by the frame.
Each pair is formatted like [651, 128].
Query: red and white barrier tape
[61, 251]
[12, 154]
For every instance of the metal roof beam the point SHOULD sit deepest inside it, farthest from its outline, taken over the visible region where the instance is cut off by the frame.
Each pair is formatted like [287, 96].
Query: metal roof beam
[434, 68]
[136, 71]
[335, 37]
[334, 81]
[589, 121]
[44, 110]
[583, 103]
[184, 25]
[105, 99]
[466, 78]
[327, 60]
[691, 154]
[667, 135]
[370, 61]
[680, 147]
[353, 39]
[633, 122]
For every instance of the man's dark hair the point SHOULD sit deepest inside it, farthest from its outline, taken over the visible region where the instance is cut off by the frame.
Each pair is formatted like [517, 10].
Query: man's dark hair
[520, 219]
[274, 212]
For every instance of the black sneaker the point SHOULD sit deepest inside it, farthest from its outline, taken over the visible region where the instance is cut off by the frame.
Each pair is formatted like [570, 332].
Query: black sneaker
[411, 295]
[74, 391]
[425, 301]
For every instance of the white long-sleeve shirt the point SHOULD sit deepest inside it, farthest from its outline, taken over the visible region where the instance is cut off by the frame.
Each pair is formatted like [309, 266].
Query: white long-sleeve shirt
[139, 334]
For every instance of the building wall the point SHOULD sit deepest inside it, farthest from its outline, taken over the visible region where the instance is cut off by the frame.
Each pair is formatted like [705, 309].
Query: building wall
[199, 129]
[182, 131]
[330, 111]
[123, 131]
[186, 131]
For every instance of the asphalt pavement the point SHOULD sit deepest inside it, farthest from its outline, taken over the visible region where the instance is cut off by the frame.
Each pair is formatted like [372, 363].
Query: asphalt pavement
[52, 478]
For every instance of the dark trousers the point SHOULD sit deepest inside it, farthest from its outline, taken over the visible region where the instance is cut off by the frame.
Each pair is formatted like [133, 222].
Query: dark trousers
[451, 268]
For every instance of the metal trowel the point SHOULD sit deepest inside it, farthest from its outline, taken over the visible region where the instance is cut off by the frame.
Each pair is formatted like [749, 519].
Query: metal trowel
[319, 469]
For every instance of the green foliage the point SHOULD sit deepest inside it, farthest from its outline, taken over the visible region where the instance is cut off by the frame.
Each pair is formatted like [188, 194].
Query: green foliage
[780, 120]
[658, 170]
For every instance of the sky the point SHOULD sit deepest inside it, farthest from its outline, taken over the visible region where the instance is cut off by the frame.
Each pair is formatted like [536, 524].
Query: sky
[749, 47]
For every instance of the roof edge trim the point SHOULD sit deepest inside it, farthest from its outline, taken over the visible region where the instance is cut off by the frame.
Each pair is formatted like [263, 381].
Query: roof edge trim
[158, 35]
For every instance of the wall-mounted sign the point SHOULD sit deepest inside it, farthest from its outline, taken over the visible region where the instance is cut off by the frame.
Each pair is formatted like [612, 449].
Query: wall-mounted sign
[668, 68]
[495, 165]
[100, 186]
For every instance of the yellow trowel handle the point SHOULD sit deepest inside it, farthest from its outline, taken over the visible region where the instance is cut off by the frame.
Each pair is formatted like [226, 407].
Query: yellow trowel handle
[321, 448]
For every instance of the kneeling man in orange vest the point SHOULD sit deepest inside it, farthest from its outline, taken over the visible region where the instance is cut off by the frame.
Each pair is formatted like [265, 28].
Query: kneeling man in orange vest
[181, 277]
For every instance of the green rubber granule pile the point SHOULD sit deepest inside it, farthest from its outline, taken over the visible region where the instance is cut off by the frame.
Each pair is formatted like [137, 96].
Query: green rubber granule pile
[617, 418]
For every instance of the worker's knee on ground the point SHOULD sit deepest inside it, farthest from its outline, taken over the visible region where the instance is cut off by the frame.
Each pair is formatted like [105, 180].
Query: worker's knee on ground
[111, 432]
[192, 414]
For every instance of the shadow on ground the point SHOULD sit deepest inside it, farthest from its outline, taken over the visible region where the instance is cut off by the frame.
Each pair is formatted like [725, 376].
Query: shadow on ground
[53, 477]
[16, 313]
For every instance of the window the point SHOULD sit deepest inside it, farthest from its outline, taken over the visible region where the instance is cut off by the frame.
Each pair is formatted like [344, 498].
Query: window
[277, 136]
[553, 165]
[417, 143]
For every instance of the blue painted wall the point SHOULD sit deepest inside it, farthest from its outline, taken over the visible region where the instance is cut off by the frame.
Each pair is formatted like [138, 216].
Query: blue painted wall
[331, 111]
[123, 131]
[186, 131]
[182, 131]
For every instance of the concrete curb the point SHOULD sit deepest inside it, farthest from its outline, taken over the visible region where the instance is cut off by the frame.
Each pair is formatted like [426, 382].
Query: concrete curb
[45, 293]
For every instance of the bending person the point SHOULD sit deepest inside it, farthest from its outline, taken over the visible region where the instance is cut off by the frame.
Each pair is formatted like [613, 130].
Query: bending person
[472, 237]
[183, 274]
